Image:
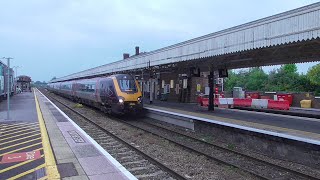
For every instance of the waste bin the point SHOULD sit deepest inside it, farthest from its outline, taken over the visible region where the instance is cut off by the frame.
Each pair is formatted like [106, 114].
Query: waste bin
[288, 97]
[252, 95]
[305, 103]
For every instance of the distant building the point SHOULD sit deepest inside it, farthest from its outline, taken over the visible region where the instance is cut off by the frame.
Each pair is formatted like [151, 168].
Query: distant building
[23, 82]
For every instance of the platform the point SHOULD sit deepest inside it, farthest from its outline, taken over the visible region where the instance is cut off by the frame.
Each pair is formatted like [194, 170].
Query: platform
[40, 142]
[302, 128]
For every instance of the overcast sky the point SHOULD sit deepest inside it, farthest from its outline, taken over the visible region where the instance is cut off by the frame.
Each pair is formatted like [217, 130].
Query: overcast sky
[50, 38]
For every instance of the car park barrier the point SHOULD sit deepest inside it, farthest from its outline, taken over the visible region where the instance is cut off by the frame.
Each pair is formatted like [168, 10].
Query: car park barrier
[259, 103]
[278, 104]
[239, 102]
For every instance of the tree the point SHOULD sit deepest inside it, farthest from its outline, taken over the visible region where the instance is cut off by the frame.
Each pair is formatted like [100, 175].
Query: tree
[313, 74]
[286, 78]
[256, 79]
[235, 80]
[289, 68]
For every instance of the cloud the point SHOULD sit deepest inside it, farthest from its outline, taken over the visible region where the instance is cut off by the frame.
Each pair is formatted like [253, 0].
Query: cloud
[73, 35]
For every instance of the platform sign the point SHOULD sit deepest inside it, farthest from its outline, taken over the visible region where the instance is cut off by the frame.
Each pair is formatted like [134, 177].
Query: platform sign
[19, 157]
[207, 90]
[198, 87]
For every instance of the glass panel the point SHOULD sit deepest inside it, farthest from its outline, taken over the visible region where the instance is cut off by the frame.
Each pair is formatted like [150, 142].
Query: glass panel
[127, 85]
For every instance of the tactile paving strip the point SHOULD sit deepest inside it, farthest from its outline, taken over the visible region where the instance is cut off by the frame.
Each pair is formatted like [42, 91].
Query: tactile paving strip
[21, 151]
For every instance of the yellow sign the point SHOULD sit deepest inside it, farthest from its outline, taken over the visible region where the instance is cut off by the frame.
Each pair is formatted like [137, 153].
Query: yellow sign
[198, 87]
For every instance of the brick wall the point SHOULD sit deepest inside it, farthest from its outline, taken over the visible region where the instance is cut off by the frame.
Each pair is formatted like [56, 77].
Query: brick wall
[193, 92]
[167, 77]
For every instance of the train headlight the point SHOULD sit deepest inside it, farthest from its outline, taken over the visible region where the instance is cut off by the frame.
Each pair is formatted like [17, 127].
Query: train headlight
[139, 99]
[121, 101]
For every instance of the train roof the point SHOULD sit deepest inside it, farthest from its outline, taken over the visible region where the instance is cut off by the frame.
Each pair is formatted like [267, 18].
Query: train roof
[114, 75]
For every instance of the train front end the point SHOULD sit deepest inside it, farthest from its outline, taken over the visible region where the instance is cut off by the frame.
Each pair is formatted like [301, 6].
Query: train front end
[129, 95]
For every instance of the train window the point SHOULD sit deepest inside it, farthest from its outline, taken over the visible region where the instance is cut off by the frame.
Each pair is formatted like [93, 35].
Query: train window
[92, 87]
[127, 84]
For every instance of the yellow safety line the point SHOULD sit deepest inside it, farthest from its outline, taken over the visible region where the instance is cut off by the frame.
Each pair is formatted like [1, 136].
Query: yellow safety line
[19, 139]
[29, 127]
[26, 147]
[24, 142]
[52, 170]
[4, 135]
[20, 135]
[18, 165]
[27, 172]
[17, 124]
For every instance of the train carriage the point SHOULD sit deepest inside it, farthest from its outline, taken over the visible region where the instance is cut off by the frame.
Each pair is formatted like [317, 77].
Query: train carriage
[119, 94]
[4, 81]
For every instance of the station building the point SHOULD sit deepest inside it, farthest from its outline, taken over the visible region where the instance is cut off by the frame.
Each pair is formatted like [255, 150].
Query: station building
[23, 82]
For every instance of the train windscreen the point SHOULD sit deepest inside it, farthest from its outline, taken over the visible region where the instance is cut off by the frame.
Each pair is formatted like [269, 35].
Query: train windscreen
[127, 83]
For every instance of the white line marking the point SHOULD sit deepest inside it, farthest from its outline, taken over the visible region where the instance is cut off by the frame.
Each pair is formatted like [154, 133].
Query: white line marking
[277, 115]
[104, 152]
[287, 136]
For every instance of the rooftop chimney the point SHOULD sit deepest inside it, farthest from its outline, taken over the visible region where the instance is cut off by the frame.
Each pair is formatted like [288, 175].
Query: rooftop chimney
[126, 55]
[137, 50]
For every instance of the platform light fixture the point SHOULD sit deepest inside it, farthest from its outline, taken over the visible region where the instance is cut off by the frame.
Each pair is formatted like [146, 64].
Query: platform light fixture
[16, 70]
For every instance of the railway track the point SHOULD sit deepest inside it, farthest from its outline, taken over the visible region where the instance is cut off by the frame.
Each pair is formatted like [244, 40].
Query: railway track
[140, 164]
[255, 166]
[224, 155]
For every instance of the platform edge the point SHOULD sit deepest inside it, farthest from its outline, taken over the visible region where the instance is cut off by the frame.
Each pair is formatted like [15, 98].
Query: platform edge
[104, 152]
[51, 166]
[276, 134]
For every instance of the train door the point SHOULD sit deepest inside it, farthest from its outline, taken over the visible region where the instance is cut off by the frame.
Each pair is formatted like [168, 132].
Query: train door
[107, 92]
[103, 93]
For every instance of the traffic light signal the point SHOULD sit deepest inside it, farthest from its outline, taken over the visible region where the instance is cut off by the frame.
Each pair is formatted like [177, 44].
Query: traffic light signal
[216, 90]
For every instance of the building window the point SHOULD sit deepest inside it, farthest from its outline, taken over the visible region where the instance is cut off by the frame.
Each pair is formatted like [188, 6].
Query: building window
[171, 83]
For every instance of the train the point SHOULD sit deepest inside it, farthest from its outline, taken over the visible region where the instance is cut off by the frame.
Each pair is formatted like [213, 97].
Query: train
[4, 81]
[116, 94]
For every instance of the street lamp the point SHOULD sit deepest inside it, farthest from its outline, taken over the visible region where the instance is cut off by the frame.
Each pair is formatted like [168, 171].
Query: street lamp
[8, 88]
[16, 70]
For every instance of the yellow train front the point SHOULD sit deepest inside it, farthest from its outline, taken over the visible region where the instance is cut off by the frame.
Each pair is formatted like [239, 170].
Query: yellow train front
[121, 93]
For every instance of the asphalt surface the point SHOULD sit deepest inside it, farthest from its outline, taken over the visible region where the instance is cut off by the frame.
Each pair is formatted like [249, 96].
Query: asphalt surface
[19, 137]
[289, 122]
[22, 108]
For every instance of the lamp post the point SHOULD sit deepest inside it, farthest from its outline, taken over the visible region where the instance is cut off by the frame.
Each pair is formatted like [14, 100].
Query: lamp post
[8, 88]
[16, 70]
[16, 78]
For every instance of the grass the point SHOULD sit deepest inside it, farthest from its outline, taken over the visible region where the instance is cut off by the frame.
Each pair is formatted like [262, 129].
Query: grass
[231, 146]
[78, 105]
